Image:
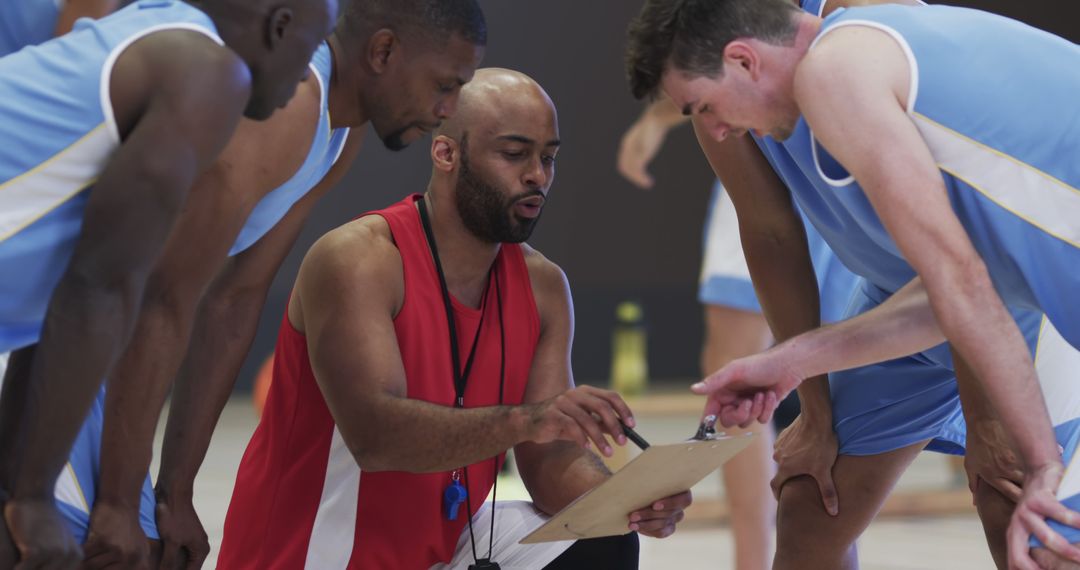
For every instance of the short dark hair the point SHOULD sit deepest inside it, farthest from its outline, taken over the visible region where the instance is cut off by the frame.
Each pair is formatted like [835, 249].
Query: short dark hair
[436, 19]
[691, 35]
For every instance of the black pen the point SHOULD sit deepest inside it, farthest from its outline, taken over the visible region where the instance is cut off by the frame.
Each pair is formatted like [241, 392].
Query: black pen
[634, 437]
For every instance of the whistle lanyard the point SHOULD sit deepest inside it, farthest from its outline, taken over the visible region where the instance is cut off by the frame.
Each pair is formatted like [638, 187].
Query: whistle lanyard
[461, 376]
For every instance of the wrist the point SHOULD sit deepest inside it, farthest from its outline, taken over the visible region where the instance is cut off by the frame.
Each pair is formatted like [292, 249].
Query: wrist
[520, 419]
[170, 492]
[814, 400]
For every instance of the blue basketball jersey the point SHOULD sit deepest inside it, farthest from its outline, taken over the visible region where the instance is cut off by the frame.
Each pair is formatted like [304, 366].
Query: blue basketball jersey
[325, 150]
[1005, 144]
[59, 133]
[27, 23]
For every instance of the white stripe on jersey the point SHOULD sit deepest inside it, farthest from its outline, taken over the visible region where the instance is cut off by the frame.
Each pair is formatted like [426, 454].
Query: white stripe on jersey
[33, 194]
[69, 491]
[332, 535]
[1036, 197]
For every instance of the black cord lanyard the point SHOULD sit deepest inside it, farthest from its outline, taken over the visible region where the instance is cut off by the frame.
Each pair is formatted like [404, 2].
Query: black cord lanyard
[461, 376]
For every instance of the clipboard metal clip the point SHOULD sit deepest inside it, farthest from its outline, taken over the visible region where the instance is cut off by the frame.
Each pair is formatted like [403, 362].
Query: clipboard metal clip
[707, 430]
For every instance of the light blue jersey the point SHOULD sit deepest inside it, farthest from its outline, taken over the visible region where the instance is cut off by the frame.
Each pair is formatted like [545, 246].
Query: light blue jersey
[324, 152]
[1006, 145]
[59, 132]
[27, 23]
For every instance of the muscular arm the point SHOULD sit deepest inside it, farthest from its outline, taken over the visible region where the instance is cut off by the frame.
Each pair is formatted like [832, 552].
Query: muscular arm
[349, 289]
[555, 473]
[859, 76]
[75, 9]
[224, 329]
[128, 217]
[904, 324]
[260, 157]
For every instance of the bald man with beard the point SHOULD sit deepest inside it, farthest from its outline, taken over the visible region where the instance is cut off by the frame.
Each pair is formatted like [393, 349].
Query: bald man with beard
[422, 342]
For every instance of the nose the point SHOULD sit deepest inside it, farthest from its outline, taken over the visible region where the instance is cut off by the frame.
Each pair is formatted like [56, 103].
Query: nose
[446, 107]
[536, 176]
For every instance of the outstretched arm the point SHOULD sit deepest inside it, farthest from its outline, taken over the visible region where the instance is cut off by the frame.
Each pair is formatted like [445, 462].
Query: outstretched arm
[224, 328]
[215, 211]
[126, 222]
[643, 140]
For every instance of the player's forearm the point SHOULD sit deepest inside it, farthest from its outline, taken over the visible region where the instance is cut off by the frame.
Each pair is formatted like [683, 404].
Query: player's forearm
[904, 324]
[86, 323]
[786, 286]
[401, 434]
[224, 330]
[664, 114]
[975, 321]
[558, 473]
[136, 393]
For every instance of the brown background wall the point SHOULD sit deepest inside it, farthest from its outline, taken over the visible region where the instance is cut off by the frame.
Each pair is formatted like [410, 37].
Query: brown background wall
[614, 242]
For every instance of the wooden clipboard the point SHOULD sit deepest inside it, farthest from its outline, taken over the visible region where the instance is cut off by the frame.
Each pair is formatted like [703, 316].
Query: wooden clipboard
[659, 471]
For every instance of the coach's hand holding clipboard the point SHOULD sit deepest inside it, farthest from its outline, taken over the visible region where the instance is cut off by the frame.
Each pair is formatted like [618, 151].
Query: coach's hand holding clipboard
[660, 471]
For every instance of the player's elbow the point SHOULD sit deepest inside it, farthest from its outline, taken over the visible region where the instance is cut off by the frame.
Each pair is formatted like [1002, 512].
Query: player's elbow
[369, 455]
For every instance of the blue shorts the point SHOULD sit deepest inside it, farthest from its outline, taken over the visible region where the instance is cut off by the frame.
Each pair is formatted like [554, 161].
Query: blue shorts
[894, 404]
[76, 487]
[725, 279]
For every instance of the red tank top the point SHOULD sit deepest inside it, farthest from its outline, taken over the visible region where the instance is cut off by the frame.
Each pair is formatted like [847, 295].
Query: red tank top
[301, 501]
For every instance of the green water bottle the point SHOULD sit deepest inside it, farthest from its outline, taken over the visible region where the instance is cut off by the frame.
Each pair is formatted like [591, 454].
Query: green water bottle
[629, 361]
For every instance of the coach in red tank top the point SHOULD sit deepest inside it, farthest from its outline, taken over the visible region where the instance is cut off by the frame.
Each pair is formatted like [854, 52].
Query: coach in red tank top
[421, 342]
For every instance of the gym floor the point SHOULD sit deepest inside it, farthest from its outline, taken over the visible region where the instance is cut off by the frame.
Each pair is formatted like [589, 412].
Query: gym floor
[920, 543]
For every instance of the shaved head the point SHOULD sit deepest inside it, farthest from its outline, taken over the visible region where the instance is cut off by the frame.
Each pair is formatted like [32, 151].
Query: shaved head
[499, 99]
[497, 154]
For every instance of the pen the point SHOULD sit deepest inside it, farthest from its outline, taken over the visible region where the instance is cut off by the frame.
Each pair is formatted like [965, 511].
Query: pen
[634, 437]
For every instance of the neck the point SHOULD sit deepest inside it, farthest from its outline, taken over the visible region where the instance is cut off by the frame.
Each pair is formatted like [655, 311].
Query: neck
[466, 260]
[343, 100]
[807, 31]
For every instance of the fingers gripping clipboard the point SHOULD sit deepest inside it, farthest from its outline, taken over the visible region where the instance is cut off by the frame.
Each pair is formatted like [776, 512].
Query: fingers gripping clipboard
[659, 471]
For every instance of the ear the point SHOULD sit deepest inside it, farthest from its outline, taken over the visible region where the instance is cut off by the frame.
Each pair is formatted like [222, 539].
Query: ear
[382, 45]
[444, 153]
[741, 55]
[277, 25]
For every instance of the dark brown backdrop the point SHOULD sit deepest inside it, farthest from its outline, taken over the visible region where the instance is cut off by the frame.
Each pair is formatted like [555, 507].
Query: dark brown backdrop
[615, 242]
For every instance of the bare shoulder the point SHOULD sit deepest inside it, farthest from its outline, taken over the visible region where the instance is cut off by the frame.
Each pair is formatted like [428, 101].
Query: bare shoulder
[851, 58]
[362, 248]
[182, 73]
[551, 290]
[545, 275]
[358, 256]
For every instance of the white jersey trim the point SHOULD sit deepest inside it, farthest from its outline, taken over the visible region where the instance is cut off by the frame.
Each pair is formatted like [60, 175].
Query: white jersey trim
[913, 88]
[334, 530]
[110, 62]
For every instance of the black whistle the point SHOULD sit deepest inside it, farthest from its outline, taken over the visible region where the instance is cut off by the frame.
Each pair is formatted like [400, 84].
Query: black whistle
[484, 564]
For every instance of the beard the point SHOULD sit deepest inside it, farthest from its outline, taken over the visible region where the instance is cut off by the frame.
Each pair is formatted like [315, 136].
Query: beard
[484, 210]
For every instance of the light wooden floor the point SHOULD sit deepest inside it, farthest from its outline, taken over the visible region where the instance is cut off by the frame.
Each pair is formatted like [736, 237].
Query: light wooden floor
[952, 542]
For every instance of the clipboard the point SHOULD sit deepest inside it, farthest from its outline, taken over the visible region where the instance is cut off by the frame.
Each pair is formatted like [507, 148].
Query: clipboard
[659, 471]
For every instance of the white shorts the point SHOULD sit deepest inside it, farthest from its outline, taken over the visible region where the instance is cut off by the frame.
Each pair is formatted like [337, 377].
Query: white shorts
[513, 521]
[725, 279]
